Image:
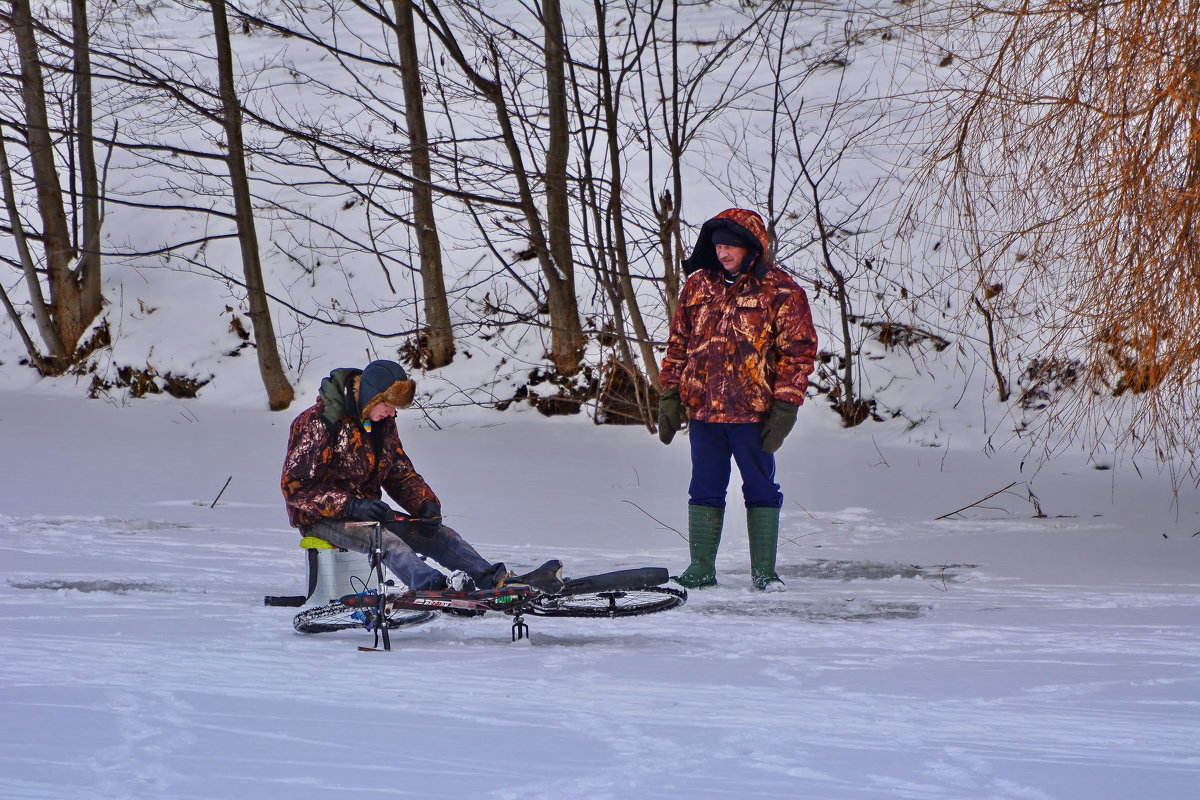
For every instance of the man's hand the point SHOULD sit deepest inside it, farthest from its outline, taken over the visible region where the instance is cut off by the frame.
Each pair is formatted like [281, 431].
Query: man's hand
[431, 518]
[364, 509]
[778, 425]
[671, 418]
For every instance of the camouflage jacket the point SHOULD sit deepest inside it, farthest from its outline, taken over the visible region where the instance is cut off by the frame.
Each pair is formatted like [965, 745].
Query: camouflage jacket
[331, 458]
[734, 348]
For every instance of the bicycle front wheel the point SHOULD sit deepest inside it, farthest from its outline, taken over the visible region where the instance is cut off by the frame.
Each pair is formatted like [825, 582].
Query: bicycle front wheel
[339, 617]
[615, 603]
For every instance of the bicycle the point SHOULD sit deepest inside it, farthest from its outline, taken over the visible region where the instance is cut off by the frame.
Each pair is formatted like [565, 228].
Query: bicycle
[540, 593]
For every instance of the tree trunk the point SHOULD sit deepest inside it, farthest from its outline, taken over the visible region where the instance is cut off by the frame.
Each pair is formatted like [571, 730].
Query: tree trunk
[616, 210]
[566, 329]
[669, 210]
[558, 148]
[439, 348]
[41, 311]
[279, 391]
[567, 343]
[89, 247]
[66, 307]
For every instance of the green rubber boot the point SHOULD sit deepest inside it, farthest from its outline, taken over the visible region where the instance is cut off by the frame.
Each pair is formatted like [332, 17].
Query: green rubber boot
[704, 536]
[762, 525]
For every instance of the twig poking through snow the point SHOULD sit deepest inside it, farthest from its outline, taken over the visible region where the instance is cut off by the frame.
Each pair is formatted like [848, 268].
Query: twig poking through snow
[678, 532]
[223, 488]
[977, 502]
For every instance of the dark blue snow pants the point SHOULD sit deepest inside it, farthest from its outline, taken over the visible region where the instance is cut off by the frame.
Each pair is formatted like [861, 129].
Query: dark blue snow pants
[713, 444]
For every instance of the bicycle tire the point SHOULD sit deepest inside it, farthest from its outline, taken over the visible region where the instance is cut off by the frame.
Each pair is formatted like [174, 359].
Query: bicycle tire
[637, 578]
[608, 604]
[338, 616]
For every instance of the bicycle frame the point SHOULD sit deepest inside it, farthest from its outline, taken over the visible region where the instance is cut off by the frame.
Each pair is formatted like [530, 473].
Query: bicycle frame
[513, 600]
[377, 565]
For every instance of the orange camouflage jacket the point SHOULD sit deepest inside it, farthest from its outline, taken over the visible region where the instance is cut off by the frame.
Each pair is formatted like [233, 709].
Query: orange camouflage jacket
[331, 458]
[734, 348]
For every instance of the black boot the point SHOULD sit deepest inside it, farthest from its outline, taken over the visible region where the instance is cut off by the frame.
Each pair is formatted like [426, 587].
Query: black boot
[546, 578]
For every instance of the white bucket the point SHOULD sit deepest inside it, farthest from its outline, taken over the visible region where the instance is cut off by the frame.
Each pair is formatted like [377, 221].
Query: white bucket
[334, 572]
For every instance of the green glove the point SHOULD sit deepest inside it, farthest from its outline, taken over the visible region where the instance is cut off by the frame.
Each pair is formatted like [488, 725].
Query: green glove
[778, 425]
[671, 418]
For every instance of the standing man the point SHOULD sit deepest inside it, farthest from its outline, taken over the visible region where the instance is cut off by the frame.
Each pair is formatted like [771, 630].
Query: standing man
[344, 452]
[741, 348]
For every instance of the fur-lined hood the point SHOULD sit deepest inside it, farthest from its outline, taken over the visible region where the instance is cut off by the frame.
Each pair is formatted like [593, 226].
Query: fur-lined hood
[340, 394]
[747, 225]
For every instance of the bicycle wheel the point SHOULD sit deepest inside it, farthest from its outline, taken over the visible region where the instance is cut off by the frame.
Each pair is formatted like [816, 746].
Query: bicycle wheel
[339, 617]
[615, 603]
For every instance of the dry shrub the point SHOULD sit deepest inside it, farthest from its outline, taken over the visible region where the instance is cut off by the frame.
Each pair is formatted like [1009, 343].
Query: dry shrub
[625, 397]
[1070, 164]
[893, 335]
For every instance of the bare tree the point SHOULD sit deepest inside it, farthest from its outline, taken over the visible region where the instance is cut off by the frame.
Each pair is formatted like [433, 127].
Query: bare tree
[41, 310]
[279, 390]
[89, 180]
[72, 267]
[558, 142]
[812, 206]
[440, 345]
[601, 86]
[566, 328]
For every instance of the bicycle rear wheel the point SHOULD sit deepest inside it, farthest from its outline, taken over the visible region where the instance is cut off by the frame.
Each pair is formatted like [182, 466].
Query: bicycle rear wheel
[614, 603]
[338, 616]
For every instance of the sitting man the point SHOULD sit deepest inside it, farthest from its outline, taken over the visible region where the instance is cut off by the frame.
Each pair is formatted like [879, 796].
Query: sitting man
[342, 452]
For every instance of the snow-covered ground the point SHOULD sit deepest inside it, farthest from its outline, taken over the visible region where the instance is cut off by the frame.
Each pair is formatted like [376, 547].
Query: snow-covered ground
[1043, 643]
[995, 654]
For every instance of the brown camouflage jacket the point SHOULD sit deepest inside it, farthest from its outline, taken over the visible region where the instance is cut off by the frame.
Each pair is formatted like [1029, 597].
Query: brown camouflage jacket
[332, 458]
[735, 348]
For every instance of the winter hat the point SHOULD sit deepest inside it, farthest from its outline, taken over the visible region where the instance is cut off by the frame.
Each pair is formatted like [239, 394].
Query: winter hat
[728, 236]
[387, 382]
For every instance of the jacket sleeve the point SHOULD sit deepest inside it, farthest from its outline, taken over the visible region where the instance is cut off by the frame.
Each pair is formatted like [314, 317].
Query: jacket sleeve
[796, 346]
[308, 493]
[402, 481]
[678, 342]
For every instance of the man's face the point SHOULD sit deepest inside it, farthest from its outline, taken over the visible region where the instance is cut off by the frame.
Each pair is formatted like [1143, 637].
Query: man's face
[381, 411]
[731, 256]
